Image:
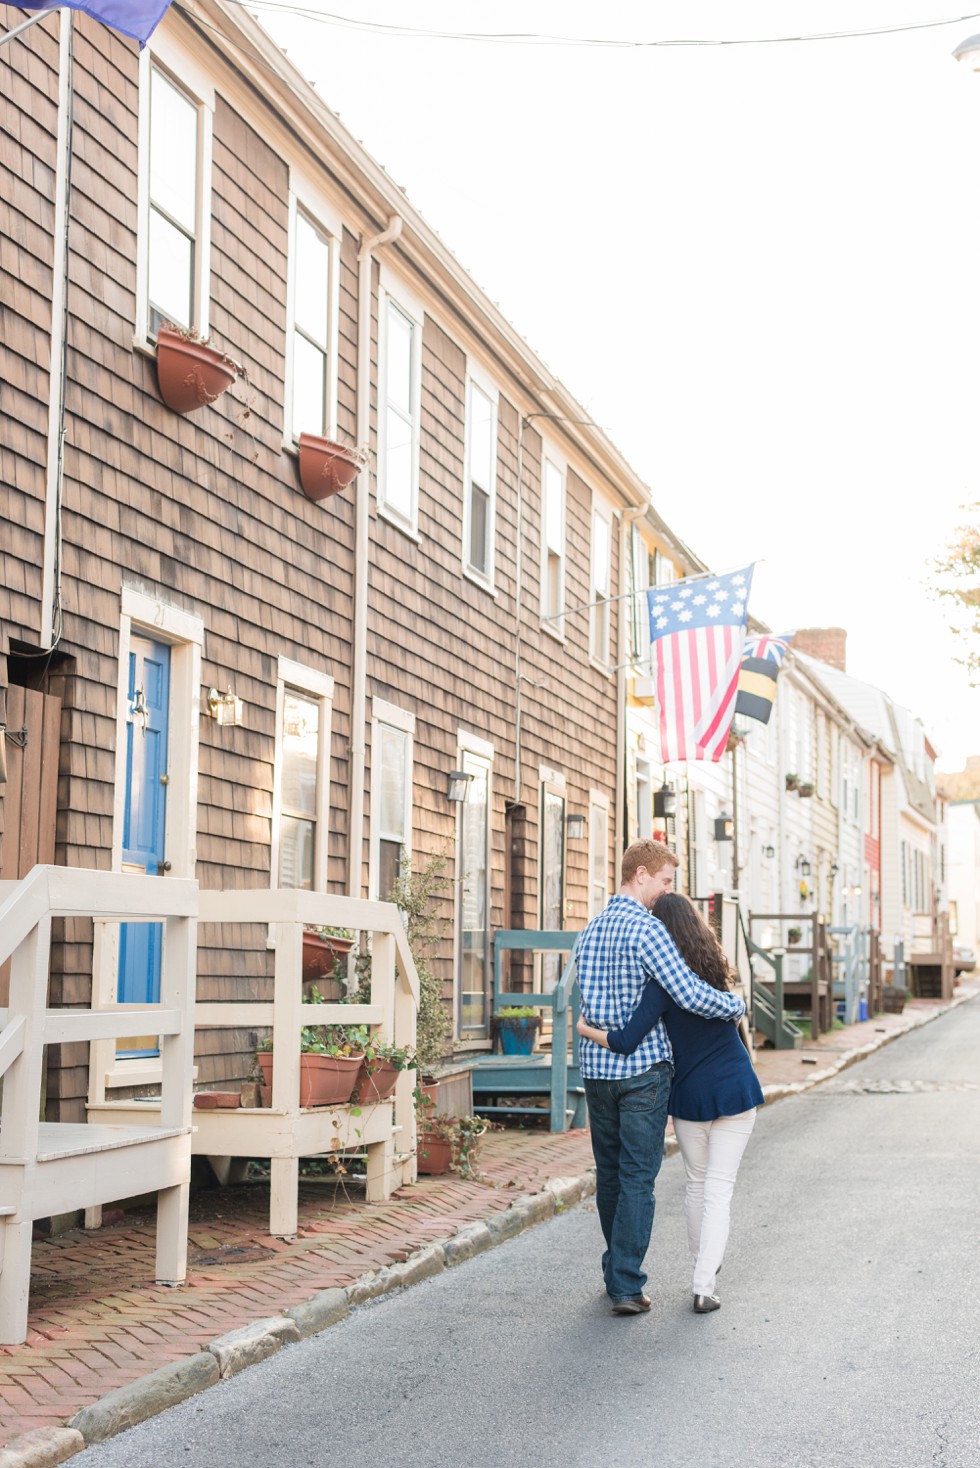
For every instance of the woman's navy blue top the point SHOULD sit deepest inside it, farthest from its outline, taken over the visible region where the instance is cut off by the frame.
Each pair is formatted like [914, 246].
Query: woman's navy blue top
[713, 1074]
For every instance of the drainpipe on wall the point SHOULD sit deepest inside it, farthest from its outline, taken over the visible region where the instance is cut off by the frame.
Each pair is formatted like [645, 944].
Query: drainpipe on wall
[51, 612]
[358, 701]
[625, 610]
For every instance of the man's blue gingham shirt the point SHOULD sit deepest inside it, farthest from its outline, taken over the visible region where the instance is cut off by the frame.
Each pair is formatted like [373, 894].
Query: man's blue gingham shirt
[621, 950]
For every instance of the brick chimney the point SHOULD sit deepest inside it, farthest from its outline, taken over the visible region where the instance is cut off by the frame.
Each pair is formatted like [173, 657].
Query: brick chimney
[826, 644]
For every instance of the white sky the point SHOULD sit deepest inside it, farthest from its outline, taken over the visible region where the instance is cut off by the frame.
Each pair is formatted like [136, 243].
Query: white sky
[753, 265]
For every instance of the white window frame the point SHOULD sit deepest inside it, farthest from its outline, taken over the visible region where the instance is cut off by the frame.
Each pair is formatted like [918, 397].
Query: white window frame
[306, 198]
[598, 802]
[644, 820]
[599, 656]
[390, 716]
[314, 684]
[392, 291]
[481, 750]
[555, 625]
[187, 74]
[476, 377]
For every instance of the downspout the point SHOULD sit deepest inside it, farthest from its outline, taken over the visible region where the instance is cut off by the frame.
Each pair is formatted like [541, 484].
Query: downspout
[358, 709]
[51, 609]
[624, 611]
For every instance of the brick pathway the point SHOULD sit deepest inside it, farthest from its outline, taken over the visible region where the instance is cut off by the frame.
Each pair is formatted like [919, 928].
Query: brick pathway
[97, 1321]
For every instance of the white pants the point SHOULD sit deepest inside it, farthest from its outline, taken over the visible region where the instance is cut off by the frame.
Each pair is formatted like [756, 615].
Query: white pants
[712, 1151]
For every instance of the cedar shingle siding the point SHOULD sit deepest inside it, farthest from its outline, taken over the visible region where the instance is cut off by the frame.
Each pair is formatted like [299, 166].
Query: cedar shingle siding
[204, 512]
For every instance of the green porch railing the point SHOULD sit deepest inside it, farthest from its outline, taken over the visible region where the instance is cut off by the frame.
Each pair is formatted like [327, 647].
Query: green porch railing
[555, 1076]
[768, 1013]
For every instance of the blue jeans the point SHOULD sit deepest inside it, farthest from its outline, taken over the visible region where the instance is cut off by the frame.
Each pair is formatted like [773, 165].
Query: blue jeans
[627, 1119]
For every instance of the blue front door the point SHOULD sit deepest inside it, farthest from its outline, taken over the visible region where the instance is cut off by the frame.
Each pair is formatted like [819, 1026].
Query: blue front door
[144, 821]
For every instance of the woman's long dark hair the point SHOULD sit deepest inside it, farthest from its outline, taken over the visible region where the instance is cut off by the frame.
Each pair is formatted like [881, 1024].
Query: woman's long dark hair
[698, 945]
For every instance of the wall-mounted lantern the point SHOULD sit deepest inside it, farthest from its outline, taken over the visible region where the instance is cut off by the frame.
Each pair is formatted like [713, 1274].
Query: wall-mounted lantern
[769, 852]
[456, 786]
[224, 708]
[803, 866]
[724, 827]
[665, 801]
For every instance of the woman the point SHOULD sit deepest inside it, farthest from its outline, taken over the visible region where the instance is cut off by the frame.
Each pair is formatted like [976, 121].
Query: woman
[714, 1094]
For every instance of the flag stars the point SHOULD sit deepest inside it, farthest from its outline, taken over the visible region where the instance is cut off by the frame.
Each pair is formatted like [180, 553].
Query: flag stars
[738, 608]
[677, 606]
[713, 610]
[661, 622]
[686, 592]
[699, 601]
[685, 615]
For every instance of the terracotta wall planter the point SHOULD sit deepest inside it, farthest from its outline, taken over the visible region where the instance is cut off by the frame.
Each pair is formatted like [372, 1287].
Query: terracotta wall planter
[325, 466]
[375, 1082]
[191, 375]
[324, 1080]
[320, 955]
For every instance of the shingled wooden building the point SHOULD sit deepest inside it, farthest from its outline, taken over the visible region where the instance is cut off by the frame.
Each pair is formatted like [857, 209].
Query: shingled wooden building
[207, 673]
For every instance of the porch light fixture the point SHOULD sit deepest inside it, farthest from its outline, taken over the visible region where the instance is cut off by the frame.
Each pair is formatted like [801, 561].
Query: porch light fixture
[803, 866]
[769, 852]
[724, 827]
[834, 869]
[456, 786]
[224, 708]
[575, 828]
[665, 801]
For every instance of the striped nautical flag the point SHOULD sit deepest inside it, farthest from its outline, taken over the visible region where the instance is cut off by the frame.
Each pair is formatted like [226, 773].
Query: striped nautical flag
[761, 661]
[136, 18]
[697, 634]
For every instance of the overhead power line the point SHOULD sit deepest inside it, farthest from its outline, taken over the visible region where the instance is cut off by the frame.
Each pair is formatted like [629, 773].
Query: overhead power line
[533, 38]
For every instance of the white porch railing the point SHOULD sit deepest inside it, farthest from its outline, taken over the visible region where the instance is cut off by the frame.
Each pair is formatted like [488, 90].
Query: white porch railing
[284, 1132]
[48, 1168]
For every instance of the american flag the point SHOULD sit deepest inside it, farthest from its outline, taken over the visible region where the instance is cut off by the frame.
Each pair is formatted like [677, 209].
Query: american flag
[697, 634]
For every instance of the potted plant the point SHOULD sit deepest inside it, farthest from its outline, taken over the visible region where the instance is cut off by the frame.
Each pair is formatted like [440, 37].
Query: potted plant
[190, 371]
[326, 467]
[381, 1065]
[323, 948]
[792, 782]
[451, 1144]
[806, 789]
[329, 1061]
[518, 1026]
[793, 935]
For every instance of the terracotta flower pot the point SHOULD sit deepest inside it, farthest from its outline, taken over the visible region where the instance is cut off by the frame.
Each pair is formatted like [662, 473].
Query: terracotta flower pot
[434, 1155]
[320, 955]
[191, 375]
[324, 1080]
[375, 1082]
[325, 466]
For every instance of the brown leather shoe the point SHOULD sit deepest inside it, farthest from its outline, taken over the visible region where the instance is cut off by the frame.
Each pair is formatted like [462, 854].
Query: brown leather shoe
[704, 1304]
[635, 1305]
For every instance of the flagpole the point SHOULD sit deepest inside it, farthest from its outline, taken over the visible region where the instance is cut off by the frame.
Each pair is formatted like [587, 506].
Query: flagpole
[25, 25]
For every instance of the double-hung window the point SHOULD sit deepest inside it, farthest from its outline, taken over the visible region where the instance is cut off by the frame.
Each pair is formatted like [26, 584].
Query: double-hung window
[399, 409]
[312, 310]
[552, 543]
[481, 479]
[392, 733]
[301, 782]
[601, 582]
[173, 249]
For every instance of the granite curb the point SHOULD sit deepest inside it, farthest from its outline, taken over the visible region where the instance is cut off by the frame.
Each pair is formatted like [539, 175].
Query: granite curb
[134, 1403]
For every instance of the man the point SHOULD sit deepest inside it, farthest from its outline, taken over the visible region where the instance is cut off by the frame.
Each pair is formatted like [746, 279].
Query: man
[620, 951]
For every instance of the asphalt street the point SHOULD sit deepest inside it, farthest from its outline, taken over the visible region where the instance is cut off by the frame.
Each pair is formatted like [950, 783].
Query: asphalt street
[849, 1335]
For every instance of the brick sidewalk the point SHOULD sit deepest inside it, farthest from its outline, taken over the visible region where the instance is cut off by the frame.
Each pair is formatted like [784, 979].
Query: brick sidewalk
[97, 1322]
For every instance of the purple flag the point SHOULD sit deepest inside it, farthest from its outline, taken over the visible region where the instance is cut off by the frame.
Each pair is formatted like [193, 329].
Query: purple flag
[136, 18]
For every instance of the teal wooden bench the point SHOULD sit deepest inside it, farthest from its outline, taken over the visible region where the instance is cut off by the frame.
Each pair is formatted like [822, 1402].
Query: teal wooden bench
[548, 1073]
